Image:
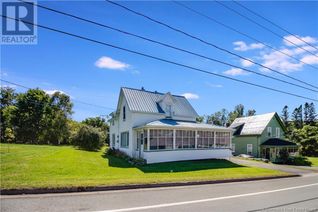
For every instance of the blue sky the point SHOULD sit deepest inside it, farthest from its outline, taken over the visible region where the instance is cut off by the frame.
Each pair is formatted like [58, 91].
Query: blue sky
[93, 73]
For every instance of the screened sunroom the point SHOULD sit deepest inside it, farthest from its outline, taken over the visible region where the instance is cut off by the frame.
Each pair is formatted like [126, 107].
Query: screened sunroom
[170, 140]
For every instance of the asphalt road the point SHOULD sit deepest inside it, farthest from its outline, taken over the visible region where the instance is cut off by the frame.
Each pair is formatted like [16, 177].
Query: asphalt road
[291, 194]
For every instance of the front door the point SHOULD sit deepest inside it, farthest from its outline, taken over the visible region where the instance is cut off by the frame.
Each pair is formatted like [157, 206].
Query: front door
[267, 153]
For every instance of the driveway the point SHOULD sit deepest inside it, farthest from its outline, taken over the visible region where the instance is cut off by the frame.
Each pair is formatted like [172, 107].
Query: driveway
[301, 170]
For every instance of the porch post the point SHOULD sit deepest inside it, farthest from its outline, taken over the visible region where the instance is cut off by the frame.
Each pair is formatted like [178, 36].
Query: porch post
[148, 138]
[214, 142]
[174, 139]
[196, 140]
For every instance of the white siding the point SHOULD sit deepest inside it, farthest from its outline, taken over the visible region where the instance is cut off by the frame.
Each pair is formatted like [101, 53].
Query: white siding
[179, 155]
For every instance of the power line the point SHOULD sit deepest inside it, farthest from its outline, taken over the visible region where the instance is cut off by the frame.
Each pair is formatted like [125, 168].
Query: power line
[168, 46]
[266, 19]
[264, 27]
[78, 101]
[159, 59]
[203, 41]
[237, 31]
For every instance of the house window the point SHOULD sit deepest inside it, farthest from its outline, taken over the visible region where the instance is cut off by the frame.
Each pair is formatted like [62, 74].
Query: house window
[249, 149]
[124, 140]
[185, 139]
[269, 131]
[161, 139]
[113, 140]
[223, 140]
[205, 139]
[277, 132]
[124, 113]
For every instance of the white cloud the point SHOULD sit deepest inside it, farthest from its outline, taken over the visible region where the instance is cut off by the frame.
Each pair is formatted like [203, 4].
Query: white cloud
[242, 46]
[310, 59]
[8, 86]
[279, 61]
[246, 63]
[235, 72]
[190, 96]
[51, 92]
[214, 85]
[109, 63]
[294, 40]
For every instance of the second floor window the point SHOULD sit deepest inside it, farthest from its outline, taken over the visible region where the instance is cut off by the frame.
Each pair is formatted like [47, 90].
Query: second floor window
[124, 113]
[277, 132]
[269, 131]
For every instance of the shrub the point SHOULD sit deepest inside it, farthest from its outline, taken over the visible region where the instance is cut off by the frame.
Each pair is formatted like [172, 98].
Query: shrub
[88, 138]
[119, 154]
[298, 161]
[283, 155]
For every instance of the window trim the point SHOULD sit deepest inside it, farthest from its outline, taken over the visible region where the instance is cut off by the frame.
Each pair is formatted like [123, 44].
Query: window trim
[121, 142]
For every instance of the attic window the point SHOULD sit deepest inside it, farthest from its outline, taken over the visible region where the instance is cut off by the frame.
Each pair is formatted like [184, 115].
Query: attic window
[124, 113]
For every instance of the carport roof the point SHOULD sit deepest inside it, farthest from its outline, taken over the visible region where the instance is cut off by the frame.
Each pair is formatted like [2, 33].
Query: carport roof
[278, 142]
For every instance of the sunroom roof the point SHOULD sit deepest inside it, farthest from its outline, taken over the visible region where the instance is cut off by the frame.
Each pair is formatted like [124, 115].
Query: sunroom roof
[170, 123]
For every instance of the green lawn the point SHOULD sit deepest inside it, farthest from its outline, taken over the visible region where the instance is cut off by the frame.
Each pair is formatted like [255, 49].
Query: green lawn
[30, 166]
[314, 161]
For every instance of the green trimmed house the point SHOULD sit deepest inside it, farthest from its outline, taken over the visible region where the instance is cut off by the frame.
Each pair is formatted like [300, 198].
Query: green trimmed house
[261, 136]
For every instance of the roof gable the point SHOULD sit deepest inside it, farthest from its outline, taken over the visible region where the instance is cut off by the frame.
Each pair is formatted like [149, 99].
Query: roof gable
[149, 102]
[254, 125]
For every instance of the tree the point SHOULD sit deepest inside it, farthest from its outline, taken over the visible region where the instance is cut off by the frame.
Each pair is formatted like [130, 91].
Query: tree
[7, 101]
[297, 117]
[56, 129]
[215, 118]
[306, 113]
[307, 138]
[312, 116]
[29, 119]
[89, 138]
[99, 123]
[251, 112]
[240, 110]
[285, 115]
[200, 119]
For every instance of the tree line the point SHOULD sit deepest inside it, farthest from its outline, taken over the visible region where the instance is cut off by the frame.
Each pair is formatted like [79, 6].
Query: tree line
[302, 127]
[225, 117]
[35, 117]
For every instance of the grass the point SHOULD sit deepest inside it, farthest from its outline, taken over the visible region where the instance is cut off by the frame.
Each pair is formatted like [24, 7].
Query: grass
[313, 160]
[40, 166]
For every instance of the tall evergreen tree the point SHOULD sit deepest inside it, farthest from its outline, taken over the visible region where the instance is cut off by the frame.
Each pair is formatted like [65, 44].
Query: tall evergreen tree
[306, 112]
[312, 116]
[285, 115]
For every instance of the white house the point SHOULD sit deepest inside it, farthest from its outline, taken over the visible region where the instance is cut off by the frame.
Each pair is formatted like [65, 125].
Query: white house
[162, 127]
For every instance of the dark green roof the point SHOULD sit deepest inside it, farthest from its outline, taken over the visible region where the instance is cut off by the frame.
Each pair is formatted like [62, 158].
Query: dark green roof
[277, 142]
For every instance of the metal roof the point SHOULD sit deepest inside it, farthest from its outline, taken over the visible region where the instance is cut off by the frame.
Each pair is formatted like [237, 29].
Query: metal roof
[253, 125]
[170, 123]
[148, 101]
